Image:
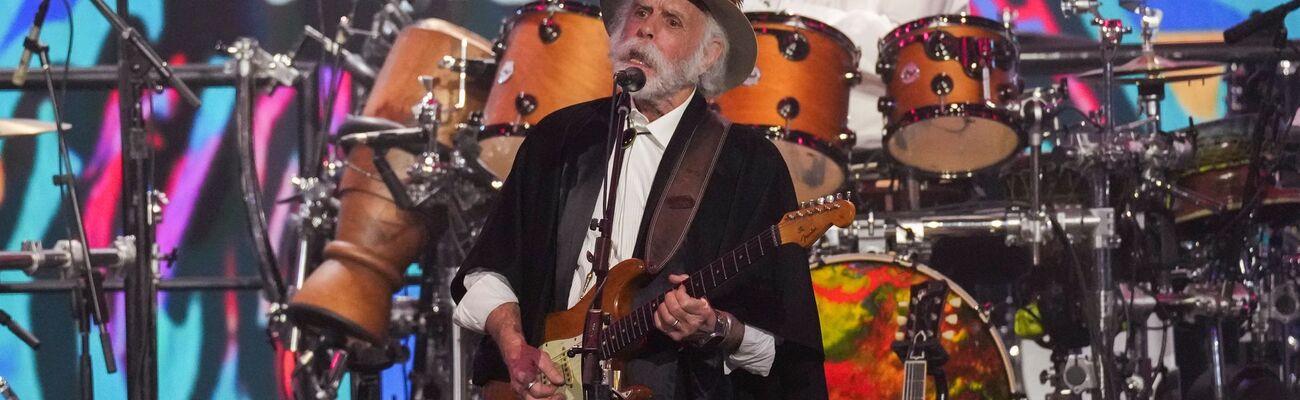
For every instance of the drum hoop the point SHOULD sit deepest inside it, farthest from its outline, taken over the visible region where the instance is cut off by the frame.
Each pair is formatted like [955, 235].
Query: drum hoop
[950, 110]
[802, 22]
[802, 138]
[888, 51]
[502, 130]
[558, 6]
[894, 259]
[938, 21]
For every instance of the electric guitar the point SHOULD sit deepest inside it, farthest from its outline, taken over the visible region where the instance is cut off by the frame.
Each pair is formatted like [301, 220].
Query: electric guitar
[918, 345]
[563, 329]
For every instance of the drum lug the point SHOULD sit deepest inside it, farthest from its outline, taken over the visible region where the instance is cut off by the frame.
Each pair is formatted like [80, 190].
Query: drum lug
[548, 30]
[525, 103]
[941, 84]
[853, 78]
[848, 138]
[885, 105]
[936, 46]
[885, 70]
[794, 46]
[788, 108]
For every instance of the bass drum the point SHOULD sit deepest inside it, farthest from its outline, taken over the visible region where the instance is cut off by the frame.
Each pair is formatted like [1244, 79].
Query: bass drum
[798, 95]
[861, 299]
[417, 51]
[551, 55]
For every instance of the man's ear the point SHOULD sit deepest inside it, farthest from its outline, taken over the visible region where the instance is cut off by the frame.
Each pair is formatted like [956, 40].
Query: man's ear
[713, 52]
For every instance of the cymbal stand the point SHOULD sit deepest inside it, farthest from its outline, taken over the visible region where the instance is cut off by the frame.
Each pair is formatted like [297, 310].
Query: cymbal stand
[136, 59]
[87, 301]
[1111, 32]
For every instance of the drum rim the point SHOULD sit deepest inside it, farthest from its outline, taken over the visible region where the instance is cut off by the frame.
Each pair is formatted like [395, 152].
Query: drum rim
[557, 5]
[776, 132]
[803, 22]
[949, 110]
[942, 20]
[953, 287]
[492, 131]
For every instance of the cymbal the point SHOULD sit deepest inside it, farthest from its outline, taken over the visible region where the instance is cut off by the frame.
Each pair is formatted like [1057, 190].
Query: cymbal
[1149, 64]
[1166, 78]
[15, 127]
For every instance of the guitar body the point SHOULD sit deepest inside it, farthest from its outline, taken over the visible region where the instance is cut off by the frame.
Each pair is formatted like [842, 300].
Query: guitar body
[563, 331]
[628, 324]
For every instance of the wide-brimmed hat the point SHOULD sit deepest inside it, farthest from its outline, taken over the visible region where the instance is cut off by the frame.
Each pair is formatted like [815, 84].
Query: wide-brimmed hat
[742, 48]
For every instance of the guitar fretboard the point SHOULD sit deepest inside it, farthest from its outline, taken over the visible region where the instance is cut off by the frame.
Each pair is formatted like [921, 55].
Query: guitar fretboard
[914, 380]
[629, 330]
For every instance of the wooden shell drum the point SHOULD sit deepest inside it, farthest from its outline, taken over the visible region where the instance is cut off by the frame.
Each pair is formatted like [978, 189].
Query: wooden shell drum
[948, 79]
[417, 51]
[351, 292]
[798, 94]
[551, 55]
[860, 301]
[1222, 163]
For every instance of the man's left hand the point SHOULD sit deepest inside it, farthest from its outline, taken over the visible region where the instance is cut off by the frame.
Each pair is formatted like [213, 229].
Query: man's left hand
[681, 315]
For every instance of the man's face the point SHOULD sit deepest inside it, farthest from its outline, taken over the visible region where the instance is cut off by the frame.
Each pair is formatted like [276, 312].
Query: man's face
[662, 37]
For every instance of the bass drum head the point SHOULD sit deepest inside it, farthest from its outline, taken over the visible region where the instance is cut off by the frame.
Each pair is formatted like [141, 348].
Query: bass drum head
[953, 145]
[861, 300]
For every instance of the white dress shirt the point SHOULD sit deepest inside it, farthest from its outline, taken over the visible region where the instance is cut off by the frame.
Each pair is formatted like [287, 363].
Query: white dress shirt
[487, 290]
[864, 22]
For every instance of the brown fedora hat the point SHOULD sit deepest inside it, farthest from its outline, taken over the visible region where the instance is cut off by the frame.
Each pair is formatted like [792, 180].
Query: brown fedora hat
[742, 48]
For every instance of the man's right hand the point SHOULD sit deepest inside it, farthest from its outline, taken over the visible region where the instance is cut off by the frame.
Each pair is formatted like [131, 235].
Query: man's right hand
[524, 362]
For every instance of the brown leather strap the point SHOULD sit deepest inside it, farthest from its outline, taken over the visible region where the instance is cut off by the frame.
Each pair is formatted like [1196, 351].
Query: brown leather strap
[681, 199]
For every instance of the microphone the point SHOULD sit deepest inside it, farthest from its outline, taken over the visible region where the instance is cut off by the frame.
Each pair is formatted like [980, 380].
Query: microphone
[632, 79]
[32, 43]
[1259, 21]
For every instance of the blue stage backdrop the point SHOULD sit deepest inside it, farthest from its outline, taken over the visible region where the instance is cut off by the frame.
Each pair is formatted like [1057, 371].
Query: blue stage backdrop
[213, 344]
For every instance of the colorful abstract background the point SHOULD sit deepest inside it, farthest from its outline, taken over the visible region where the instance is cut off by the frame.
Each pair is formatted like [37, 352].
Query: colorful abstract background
[213, 344]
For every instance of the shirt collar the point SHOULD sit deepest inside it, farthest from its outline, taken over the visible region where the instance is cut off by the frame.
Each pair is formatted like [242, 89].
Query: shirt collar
[663, 128]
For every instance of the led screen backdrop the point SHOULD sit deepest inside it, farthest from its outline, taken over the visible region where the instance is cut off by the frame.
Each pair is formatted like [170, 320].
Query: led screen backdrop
[213, 344]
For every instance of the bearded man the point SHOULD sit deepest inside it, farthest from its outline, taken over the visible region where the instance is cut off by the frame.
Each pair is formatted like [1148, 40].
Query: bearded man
[756, 336]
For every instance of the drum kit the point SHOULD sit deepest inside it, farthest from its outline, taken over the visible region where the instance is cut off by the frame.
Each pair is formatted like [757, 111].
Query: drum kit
[1117, 223]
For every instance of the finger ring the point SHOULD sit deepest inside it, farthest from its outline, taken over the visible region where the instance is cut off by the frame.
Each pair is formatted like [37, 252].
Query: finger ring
[530, 385]
[675, 322]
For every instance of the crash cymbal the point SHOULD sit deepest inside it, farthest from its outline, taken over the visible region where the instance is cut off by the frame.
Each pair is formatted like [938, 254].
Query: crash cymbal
[14, 127]
[1150, 64]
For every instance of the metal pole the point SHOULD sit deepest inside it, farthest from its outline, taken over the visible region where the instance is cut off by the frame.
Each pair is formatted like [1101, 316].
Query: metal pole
[141, 294]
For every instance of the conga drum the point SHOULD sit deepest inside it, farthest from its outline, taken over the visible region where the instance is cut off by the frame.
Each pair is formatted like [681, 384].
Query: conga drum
[948, 80]
[551, 55]
[798, 95]
[418, 51]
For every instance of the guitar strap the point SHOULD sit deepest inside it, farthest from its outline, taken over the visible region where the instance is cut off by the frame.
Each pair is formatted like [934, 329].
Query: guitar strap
[681, 198]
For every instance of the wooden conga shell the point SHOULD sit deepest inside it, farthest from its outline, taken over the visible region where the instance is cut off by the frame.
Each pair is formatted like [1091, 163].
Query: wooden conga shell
[555, 55]
[416, 52]
[351, 291]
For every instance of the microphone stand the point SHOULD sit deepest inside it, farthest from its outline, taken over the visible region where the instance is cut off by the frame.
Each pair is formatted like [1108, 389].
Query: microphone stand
[139, 198]
[88, 299]
[594, 386]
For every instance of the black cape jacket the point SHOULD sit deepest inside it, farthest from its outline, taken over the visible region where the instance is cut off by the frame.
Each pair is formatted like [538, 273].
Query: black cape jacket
[534, 235]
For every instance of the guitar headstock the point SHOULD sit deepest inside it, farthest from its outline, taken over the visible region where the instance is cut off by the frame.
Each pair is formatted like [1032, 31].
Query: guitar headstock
[925, 309]
[807, 224]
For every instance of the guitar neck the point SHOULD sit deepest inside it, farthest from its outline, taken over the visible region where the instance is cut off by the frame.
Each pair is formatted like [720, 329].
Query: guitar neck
[630, 329]
[914, 380]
